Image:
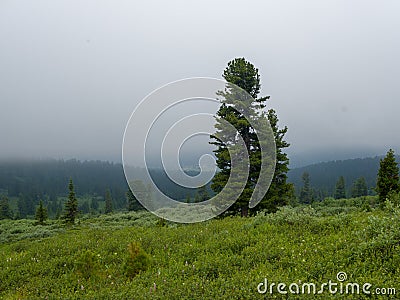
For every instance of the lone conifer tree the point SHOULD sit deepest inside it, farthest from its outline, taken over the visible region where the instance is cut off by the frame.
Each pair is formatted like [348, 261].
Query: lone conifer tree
[359, 188]
[5, 212]
[108, 202]
[132, 202]
[71, 206]
[340, 190]
[306, 193]
[244, 75]
[388, 176]
[41, 213]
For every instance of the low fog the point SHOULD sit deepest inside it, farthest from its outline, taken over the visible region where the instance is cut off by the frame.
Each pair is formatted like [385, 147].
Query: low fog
[71, 72]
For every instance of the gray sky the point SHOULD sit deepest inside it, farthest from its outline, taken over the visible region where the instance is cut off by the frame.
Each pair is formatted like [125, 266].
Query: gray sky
[71, 72]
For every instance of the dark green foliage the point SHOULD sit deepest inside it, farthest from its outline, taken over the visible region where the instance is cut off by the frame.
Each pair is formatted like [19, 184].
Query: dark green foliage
[84, 207]
[388, 176]
[280, 192]
[366, 206]
[306, 193]
[143, 192]
[94, 204]
[108, 202]
[5, 211]
[41, 213]
[243, 74]
[22, 206]
[340, 190]
[137, 261]
[132, 203]
[71, 206]
[359, 188]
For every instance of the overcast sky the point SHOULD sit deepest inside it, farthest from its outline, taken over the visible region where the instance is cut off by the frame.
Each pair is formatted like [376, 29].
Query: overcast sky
[71, 72]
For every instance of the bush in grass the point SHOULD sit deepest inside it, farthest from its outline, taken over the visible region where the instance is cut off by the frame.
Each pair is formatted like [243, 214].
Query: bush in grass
[137, 261]
[161, 222]
[394, 198]
[366, 206]
[87, 264]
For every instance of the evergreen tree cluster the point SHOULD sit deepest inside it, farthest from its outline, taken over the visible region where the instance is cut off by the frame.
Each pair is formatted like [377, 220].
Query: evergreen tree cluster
[325, 175]
[308, 194]
[32, 181]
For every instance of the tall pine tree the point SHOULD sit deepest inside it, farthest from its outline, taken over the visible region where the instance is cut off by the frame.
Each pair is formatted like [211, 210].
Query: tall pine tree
[21, 204]
[243, 74]
[306, 193]
[340, 190]
[71, 206]
[388, 176]
[108, 202]
[5, 211]
[41, 213]
[132, 202]
[359, 188]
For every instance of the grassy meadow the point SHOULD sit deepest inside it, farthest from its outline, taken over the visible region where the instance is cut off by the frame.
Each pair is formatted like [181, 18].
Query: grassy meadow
[137, 256]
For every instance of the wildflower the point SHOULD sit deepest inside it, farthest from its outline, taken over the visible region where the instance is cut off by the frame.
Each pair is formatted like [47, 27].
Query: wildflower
[153, 288]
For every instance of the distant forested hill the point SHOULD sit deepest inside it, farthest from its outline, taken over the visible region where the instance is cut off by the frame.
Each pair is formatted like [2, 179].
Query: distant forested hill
[323, 176]
[50, 177]
[29, 181]
[47, 180]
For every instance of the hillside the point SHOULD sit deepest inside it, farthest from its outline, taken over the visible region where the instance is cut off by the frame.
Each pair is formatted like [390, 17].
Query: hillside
[50, 177]
[30, 181]
[323, 176]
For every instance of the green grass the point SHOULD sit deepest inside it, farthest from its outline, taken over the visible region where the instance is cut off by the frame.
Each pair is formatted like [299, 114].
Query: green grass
[218, 259]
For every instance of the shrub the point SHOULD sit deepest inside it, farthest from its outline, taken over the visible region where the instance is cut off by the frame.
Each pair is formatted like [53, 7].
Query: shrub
[87, 265]
[137, 261]
[394, 198]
